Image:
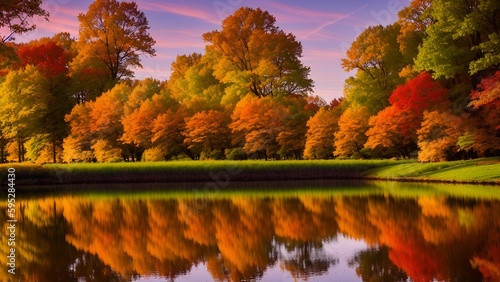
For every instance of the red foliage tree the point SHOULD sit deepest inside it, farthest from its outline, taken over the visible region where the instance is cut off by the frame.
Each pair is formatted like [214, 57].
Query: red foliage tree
[397, 125]
[417, 95]
[486, 100]
[49, 57]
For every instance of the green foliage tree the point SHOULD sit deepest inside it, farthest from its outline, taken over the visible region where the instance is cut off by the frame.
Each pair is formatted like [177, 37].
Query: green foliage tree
[52, 59]
[23, 104]
[464, 38]
[376, 56]
[192, 82]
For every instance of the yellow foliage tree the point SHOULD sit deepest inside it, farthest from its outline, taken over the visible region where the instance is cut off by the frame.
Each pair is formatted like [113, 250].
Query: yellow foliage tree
[105, 152]
[350, 138]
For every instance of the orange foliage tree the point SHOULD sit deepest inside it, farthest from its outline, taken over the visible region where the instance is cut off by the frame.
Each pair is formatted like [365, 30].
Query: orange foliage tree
[256, 123]
[208, 130]
[386, 131]
[319, 135]
[350, 138]
[137, 126]
[77, 145]
[438, 136]
[167, 132]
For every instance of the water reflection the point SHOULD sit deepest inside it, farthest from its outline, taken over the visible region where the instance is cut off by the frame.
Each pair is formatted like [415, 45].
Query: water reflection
[239, 238]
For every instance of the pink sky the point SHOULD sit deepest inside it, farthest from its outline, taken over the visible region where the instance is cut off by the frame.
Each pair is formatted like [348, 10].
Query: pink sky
[326, 29]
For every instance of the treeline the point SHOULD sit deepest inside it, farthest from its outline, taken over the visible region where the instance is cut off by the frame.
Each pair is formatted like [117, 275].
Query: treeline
[425, 86]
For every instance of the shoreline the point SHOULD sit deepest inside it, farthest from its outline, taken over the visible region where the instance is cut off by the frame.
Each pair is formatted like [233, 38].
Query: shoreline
[478, 172]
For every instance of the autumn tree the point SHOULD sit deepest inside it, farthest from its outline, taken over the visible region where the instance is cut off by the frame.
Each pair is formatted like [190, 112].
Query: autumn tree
[350, 137]
[76, 146]
[105, 118]
[396, 126]
[192, 83]
[293, 137]
[23, 104]
[414, 21]
[114, 34]
[98, 121]
[51, 59]
[254, 56]
[89, 79]
[208, 131]
[143, 105]
[256, 123]
[376, 57]
[15, 17]
[319, 136]
[387, 130]
[486, 101]
[438, 136]
[167, 132]
[137, 126]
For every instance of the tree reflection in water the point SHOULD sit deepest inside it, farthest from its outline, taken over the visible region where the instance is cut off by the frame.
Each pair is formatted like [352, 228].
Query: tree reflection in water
[239, 238]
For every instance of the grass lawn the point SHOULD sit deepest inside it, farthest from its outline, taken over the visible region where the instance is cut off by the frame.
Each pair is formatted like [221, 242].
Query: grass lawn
[470, 171]
[487, 169]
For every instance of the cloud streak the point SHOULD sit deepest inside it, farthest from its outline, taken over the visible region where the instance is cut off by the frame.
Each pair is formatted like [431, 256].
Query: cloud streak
[289, 13]
[182, 10]
[315, 31]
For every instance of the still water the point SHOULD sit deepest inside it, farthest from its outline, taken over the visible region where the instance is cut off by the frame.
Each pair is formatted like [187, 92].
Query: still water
[272, 232]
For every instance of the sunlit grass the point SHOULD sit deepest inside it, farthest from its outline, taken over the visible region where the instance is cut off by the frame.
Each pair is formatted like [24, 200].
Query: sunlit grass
[487, 169]
[479, 170]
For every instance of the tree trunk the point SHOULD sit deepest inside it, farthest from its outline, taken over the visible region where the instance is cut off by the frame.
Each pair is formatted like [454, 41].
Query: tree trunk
[2, 147]
[54, 156]
[19, 147]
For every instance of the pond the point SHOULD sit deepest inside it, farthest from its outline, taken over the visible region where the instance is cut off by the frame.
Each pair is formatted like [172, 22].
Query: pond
[310, 231]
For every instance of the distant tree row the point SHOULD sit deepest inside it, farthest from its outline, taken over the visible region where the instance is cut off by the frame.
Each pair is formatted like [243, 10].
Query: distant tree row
[425, 86]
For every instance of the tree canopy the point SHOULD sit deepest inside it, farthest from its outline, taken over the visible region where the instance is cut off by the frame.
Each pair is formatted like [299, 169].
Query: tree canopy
[15, 16]
[255, 56]
[248, 94]
[114, 34]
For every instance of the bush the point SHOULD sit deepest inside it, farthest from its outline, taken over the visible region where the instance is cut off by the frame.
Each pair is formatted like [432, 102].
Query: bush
[154, 154]
[235, 154]
[212, 155]
[105, 152]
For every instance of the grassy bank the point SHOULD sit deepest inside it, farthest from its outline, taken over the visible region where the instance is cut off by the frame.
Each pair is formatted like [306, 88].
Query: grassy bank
[470, 171]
